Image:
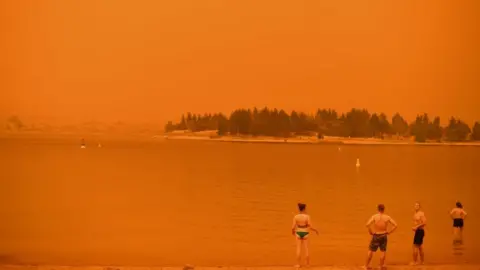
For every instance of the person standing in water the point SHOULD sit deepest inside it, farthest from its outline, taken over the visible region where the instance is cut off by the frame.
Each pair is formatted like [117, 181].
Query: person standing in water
[302, 225]
[458, 215]
[419, 222]
[380, 222]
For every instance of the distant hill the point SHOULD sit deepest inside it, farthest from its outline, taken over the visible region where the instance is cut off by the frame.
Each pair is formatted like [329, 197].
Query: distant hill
[14, 125]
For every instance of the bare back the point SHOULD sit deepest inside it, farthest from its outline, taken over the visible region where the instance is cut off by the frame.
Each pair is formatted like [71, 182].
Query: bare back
[380, 223]
[458, 213]
[302, 220]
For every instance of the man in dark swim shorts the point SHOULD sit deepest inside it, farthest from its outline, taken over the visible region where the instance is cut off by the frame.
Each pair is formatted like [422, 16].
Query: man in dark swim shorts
[458, 215]
[378, 241]
[419, 221]
[418, 237]
[379, 234]
[458, 223]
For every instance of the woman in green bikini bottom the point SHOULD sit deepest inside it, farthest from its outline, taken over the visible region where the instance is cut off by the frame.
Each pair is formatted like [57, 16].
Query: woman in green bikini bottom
[301, 228]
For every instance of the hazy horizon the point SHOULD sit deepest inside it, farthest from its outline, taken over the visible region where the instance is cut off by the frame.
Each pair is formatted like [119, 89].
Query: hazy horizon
[150, 61]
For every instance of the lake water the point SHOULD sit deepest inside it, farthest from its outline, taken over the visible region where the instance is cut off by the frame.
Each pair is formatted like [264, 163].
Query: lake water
[209, 203]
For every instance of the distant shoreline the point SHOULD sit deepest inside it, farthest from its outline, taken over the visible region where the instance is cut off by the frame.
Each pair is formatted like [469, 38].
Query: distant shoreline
[308, 140]
[201, 136]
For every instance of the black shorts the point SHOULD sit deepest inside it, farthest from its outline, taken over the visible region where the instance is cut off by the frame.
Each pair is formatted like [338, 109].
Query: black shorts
[378, 241]
[458, 223]
[418, 238]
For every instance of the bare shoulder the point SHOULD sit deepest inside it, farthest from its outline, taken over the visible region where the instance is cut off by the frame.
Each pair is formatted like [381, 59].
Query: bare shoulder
[301, 217]
[377, 217]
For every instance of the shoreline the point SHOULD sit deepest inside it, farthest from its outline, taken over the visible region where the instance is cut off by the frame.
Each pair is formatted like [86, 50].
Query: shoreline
[339, 267]
[310, 140]
[200, 136]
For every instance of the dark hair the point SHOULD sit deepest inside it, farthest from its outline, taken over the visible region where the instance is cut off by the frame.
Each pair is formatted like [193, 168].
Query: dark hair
[381, 207]
[459, 205]
[301, 206]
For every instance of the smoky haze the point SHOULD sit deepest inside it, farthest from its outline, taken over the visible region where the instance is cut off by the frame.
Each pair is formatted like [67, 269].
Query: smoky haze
[151, 61]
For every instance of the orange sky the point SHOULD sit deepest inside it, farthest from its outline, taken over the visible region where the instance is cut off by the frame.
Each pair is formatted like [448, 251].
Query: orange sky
[81, 60]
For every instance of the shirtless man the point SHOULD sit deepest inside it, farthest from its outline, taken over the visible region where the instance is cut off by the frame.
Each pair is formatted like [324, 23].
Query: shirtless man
[379, 234]
[301, 228]
[419, 222]
[458, 215]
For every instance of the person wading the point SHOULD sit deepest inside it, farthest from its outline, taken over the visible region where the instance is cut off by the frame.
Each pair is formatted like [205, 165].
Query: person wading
[379, 222]
[302, 225]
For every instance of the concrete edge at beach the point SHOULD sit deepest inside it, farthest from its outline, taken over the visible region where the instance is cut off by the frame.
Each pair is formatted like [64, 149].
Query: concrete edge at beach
[394, 267]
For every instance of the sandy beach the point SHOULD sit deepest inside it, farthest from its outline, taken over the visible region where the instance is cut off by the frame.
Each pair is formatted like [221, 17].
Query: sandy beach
[395, 267]
[306, 140]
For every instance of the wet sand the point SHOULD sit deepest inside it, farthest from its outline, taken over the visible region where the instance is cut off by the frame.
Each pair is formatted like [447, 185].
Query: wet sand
[390, 267]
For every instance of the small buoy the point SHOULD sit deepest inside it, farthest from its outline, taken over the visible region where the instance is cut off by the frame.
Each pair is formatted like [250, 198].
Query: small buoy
[82, 145]
[99, 145]
[339, 149]
[358, 163]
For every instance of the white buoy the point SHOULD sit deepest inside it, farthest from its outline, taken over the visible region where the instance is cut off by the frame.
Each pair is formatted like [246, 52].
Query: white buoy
[358, 163]
[99, 145]
[339, 149]
[83, 147]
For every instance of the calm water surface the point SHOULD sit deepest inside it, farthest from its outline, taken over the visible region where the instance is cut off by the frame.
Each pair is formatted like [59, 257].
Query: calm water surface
[207, 203]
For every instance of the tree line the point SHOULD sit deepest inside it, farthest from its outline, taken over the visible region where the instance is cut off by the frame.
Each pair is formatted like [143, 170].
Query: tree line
[357, 123]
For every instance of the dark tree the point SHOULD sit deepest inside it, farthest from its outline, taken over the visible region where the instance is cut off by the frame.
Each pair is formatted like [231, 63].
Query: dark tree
[295, 122]
[385, 126]
[222, 124]
[375, 130]
[357, 123]
[284, 124]
[240, 122]
[326, 122]
[419, 128]
[434, 130]
[456, 131]
[476, 131]
[169, 127]
[399, 125]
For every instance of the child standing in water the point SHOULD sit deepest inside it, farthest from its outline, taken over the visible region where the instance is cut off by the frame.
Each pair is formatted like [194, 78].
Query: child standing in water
[301, 228]
[458, 215]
